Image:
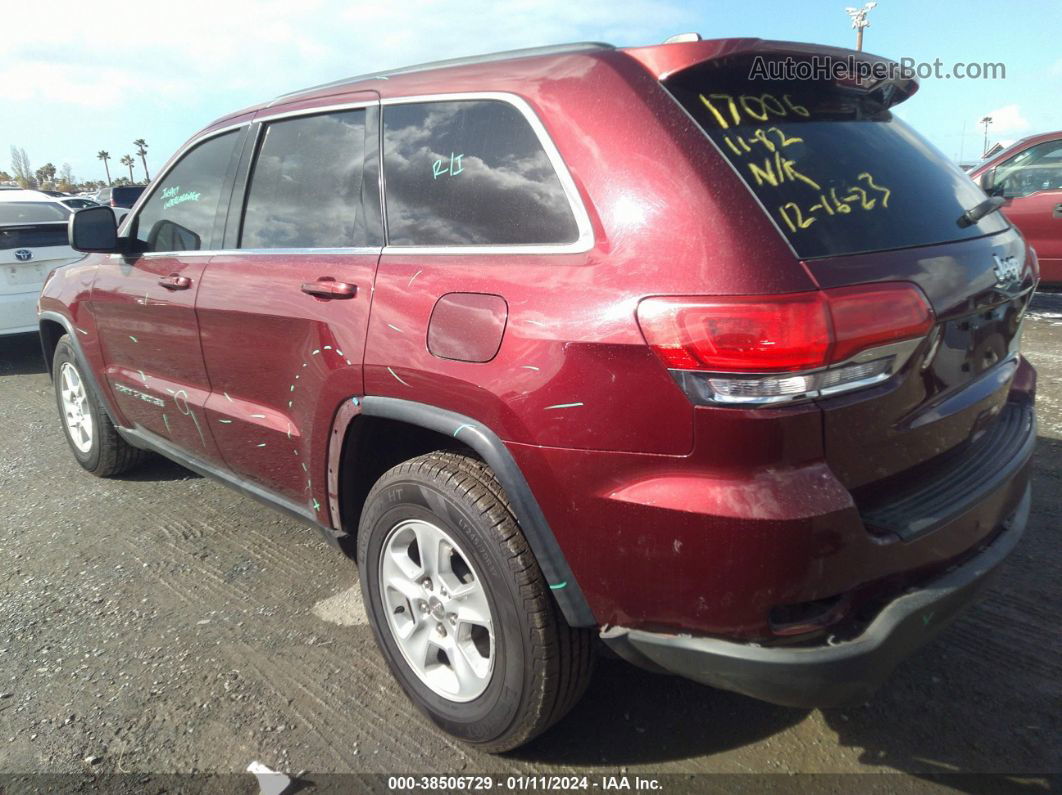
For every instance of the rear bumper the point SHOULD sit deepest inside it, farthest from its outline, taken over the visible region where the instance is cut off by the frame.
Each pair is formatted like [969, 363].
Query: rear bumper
[827, 675]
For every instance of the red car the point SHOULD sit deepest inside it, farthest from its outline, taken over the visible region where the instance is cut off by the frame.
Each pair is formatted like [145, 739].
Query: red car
[1028, 175]
[581, 344]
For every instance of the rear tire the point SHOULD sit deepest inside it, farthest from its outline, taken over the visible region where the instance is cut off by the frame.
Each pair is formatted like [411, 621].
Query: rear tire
[89, 431]
[528, 667]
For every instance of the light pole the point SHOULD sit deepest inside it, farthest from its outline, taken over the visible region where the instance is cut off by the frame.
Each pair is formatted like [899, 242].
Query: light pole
[860, 21]
[985, 121]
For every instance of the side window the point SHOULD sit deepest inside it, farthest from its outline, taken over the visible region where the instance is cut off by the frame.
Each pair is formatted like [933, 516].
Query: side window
[306, 187]
[470, 172]
[1034, 169]
[179, 215]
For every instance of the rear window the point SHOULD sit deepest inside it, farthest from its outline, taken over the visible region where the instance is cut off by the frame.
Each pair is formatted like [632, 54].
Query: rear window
[126, 197]
[33, 236]
[835, 169]
[32, 212]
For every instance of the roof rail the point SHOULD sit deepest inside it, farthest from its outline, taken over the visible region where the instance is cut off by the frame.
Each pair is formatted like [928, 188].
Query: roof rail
[528, 52]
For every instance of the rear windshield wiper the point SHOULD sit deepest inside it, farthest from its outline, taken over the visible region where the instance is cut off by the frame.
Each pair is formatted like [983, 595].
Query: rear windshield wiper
[975, 214]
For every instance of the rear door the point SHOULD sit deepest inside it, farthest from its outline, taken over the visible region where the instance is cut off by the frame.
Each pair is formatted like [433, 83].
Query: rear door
[1031, 183]
[144, 302]
[283, 311]
[862, 198]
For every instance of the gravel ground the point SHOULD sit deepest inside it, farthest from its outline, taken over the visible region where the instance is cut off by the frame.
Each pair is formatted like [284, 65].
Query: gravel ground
[159, 624]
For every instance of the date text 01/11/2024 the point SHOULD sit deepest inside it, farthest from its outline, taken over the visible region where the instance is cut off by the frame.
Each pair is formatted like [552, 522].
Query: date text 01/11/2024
[523, 783]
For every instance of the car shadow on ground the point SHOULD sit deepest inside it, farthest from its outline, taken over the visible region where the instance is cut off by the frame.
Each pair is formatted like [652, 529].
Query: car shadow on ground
[20, 354]
[977, 700]
[630, 716]
[157, 468]
[980, 699]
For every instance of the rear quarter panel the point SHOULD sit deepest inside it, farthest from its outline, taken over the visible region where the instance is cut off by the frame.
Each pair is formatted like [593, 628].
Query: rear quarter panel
[669, 217]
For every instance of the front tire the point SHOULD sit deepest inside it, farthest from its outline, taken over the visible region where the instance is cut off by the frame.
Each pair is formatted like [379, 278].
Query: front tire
[92, 436]
[459, 607]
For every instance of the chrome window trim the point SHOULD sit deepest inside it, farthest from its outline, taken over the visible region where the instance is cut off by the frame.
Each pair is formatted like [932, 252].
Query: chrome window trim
[584, 241]
[339, 106]
[228, 252]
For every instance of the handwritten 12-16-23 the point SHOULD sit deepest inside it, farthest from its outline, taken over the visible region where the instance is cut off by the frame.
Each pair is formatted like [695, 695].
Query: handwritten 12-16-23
[774, 169]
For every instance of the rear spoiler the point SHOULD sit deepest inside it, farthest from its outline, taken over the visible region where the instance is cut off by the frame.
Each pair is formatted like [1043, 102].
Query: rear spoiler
[665, 60]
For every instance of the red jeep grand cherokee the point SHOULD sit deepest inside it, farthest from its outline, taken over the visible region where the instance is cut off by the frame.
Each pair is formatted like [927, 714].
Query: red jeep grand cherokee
[581, 343]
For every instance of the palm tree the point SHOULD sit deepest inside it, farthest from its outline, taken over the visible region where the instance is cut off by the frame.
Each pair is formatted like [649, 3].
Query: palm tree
[141, 149]
[104, 155]
[127, 160]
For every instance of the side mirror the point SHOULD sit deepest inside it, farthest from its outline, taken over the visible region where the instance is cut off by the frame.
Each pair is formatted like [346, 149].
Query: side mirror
[988, 183]
[93, 230]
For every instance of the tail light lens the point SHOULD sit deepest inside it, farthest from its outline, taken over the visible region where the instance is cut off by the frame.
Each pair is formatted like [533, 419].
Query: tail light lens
[792, 346]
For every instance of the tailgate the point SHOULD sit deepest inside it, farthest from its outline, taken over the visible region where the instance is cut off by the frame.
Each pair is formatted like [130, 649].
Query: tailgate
[28, 252]
[861, 198]
[956, 383]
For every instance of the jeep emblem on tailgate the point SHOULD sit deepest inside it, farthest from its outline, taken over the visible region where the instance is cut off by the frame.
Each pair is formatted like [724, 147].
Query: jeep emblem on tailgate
[23, 255]
[1007, 270]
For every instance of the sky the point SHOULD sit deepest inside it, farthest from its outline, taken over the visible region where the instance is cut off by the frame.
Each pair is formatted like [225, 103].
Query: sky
[77, 77]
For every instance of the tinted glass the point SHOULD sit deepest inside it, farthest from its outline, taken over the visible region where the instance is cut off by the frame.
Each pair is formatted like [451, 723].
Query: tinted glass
[179, 215]
[32, 212]
[53, 234]
[470, 173]
[837, 171]
[127, 196]
[305, 191]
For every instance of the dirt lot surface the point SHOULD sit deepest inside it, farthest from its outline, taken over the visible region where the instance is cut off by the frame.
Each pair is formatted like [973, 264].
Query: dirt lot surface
[159, 623]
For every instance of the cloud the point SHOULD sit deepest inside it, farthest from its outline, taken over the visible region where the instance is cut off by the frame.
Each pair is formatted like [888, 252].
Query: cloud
[38, 81]
[1007, 119]
[160, 70]
[106, 50]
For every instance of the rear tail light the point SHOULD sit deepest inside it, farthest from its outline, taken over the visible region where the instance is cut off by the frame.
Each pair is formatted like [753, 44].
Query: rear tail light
[780, 348]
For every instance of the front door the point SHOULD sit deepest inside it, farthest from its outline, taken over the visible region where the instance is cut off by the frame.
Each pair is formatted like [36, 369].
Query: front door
[1039, 217]
[1031, 183]
[144, 302]
[283, 313]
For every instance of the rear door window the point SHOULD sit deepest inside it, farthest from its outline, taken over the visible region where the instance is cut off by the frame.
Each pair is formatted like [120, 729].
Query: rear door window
[32, 212]
[180, 213]
[306, 187]
[832, 165]
[470, 172]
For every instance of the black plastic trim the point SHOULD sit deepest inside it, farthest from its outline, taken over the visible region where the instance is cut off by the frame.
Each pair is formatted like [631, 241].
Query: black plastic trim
[827, 675]
[83, 363]
[532, 521]
[145, 440]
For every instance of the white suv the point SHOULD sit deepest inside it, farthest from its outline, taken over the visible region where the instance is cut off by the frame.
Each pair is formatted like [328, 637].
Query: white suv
[33, 241]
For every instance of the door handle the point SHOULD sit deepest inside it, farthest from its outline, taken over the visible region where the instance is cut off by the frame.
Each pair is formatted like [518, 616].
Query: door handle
[175, 282]
[1057, 212]
[329, 288]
